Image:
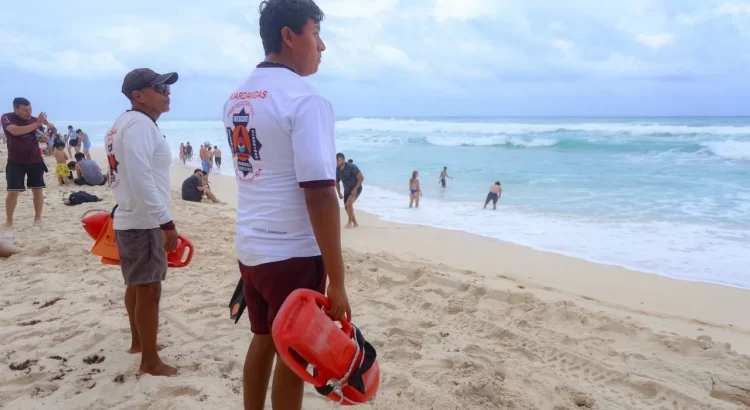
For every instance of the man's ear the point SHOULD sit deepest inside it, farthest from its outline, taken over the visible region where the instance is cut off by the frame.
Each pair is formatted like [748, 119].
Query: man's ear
[286, 36]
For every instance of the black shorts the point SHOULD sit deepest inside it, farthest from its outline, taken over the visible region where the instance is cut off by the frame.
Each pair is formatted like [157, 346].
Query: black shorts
[73, 142]
[348, 193]
[32, 173]
[492, 196]
[218, 160]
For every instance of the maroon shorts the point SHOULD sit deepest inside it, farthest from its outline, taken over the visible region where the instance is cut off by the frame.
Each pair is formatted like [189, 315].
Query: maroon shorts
[267, 286]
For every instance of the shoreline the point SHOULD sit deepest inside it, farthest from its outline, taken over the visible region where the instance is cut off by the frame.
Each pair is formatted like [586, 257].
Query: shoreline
[400, 219]
[572, 275]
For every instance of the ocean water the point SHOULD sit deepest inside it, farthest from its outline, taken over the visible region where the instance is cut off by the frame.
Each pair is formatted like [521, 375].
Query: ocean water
[669, 196]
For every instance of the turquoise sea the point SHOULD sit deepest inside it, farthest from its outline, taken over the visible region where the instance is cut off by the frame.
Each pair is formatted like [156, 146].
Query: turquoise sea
[669, 196]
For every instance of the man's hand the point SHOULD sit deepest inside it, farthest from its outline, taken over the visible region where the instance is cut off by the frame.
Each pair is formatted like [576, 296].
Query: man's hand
[170, 240]
[41, 119]
[339, 303]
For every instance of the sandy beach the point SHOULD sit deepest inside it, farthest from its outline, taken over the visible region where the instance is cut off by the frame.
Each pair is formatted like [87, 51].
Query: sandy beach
[459, 321]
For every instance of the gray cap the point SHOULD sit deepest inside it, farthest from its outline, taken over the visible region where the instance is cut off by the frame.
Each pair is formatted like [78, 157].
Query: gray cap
[141, 78]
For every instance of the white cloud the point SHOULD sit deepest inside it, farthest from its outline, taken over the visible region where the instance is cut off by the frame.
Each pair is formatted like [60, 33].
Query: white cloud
[655, 41]
[562, 45]
[356, 8]
[733, 9]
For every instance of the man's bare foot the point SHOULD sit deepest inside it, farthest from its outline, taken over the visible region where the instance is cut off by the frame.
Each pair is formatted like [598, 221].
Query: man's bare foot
[161, 369]
[137, 349]
[8, 225]
[349, 225]
[38, 221]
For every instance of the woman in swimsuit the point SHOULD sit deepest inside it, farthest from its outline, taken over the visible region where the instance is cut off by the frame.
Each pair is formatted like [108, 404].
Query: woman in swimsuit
[415, 191]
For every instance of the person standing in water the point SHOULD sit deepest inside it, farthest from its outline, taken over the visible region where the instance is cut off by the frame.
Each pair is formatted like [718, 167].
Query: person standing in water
[217, 157]
[85, 142]
[182, 153]
[352, 178]
[414, 191]
[495, 192]
[443, 175]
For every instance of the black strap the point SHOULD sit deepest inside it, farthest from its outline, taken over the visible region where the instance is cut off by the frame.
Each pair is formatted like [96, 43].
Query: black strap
[356, 379]
[273, 64]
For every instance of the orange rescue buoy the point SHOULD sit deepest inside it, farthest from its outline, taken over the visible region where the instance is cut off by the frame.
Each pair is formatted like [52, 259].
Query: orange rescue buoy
[344, 364]
[98, 227]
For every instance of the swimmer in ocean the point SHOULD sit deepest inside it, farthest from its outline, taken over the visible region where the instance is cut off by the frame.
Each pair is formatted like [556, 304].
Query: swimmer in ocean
[444, 175]
[415, 191]
[494, 195]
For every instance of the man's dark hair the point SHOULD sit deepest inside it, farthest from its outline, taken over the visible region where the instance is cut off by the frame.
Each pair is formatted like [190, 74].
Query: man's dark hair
[70, 126]
[59, 144]
[20, 101]
[340, 155]
[78, 131]
[197, 170]
[277, 14]
[497, 182]
[79, 156]
[351, 161]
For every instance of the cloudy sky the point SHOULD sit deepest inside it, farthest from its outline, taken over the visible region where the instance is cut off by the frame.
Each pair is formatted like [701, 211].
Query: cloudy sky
[394, 57]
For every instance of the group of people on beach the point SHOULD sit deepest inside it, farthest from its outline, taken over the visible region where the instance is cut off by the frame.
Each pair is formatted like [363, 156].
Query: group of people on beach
[289, 178]
[208, 155]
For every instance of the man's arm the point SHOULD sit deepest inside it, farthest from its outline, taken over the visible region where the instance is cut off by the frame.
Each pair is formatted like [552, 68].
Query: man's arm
[314, 146]
[338, 188]
[15, 130]
[78, 171]
[360, 179]
[324, 211]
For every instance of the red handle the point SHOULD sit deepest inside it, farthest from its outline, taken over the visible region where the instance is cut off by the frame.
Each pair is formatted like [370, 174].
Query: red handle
[323, 301]
[176, 261]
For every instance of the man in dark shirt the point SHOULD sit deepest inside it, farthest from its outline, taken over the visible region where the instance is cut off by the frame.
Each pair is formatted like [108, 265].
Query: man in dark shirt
[193, 188]
[349, 174]
[24, 133]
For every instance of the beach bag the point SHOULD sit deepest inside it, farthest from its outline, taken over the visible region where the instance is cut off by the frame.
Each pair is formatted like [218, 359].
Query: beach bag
[80, 197]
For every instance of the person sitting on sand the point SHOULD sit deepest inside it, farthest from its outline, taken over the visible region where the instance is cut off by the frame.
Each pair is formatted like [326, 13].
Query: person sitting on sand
[495, 192]
[415, 192]
[61, 169]
[88, 171]
[194, 188]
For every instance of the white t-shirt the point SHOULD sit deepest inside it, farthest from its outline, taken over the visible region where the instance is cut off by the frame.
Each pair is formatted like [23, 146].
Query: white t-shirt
[139, 157]
[281, 135]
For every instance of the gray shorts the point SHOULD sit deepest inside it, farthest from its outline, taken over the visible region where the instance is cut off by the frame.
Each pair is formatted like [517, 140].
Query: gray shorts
[142, 256]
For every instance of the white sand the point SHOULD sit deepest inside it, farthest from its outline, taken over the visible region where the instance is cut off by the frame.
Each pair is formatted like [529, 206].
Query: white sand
[459, 321]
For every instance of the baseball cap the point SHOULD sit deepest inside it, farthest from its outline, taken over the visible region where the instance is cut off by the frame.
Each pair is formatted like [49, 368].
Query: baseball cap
[141, 78]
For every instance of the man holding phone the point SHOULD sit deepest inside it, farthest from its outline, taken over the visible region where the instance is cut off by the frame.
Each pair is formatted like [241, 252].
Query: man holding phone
[24, 133]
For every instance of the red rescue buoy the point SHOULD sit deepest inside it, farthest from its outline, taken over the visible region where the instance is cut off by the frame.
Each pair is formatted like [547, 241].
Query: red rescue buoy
[94, 224]
[344, 364]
